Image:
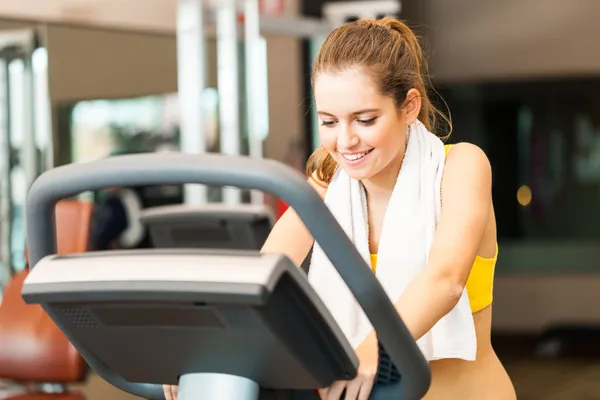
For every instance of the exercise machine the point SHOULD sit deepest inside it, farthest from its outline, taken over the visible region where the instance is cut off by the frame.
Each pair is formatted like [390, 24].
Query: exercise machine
[222, 324]
[208, 226]
[35, 356]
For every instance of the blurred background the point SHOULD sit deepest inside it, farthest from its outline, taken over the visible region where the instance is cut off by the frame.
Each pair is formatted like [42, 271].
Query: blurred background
[81, 80]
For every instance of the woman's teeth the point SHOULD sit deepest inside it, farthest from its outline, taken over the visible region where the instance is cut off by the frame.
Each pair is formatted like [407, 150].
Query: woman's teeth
[356, 156]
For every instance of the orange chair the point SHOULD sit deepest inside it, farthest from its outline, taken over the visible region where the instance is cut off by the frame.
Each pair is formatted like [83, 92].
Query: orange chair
[32, 349]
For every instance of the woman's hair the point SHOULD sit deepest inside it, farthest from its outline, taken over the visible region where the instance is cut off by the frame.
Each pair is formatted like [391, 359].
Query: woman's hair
[392, 54]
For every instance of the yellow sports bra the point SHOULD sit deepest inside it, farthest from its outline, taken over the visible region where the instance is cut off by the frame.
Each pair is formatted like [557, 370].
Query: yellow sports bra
[480, 283]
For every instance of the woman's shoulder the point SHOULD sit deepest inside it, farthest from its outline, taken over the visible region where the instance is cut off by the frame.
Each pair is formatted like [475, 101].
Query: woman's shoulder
[465, 153]
[466, 161]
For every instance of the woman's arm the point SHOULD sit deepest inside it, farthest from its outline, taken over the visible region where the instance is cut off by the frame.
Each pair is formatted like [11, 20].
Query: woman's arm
[466, 197]
[290, 236]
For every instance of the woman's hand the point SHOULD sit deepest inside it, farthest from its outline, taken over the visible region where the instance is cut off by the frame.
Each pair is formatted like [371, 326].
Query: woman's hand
[170, 392]
[360, 387]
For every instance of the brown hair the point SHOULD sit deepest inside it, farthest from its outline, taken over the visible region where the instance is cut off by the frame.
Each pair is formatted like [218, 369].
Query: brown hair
[393, 55]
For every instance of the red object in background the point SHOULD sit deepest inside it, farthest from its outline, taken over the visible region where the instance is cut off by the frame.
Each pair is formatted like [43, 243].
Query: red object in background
[267, 7]
[281, 208]
[271, 7]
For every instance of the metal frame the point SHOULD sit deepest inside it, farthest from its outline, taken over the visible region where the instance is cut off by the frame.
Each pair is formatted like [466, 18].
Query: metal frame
[195, 23]
[5, 182]
[191, 72]
[18, 44]
[253, 95]
[228, 87]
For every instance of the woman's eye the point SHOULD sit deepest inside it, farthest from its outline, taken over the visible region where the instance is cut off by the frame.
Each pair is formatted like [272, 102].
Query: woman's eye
[327, 123]
[367, 122]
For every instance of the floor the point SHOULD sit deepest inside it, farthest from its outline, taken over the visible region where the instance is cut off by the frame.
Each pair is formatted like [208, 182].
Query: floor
[96, 388]
[566, 378]
[534, 380]
[574, 376]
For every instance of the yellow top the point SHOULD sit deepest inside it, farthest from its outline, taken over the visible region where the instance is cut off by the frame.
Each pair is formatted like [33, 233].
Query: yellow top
[480, 283]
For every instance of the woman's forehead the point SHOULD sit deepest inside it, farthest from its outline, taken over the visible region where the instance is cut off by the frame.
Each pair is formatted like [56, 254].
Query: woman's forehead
[347, 92]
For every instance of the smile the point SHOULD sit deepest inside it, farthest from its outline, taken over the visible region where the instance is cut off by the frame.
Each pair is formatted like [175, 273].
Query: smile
[356, 156]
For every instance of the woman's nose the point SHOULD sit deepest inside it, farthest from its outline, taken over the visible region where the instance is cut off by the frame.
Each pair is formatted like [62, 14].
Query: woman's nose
[346, 138]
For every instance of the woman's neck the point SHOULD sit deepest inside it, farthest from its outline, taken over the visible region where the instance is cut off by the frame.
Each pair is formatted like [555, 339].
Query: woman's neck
[378, 189]
[382, 184]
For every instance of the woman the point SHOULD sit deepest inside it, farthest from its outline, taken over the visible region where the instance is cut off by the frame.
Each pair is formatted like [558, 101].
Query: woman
[369, 85]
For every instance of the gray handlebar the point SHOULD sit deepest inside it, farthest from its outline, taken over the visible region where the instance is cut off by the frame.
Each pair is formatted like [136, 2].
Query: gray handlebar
[242, 172]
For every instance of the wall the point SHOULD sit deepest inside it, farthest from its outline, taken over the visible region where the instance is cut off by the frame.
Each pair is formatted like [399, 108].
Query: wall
[483, 40]
[475, 40]
[286, 96]
[93, 63]
[530, 303]
[12, 24]
[157, 15]
[286, 112]
[144, 15]
[118, 48]
[87, 63]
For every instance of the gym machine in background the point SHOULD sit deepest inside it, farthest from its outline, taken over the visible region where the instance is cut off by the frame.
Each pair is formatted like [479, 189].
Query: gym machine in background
[25, 137]
[230, 20]
[197, 223]
[232, 224]
[209, 226]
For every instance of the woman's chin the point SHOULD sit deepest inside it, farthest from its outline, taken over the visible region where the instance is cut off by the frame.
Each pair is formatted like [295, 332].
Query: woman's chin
[358, 174]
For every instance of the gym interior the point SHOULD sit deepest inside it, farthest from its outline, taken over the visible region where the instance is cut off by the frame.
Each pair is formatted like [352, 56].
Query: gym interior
[84, 80]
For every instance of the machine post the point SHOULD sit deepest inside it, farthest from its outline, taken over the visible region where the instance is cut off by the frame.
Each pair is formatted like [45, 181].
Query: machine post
[216, 387]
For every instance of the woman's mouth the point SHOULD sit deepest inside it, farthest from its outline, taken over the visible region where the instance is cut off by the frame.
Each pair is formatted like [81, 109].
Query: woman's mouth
[355, 158]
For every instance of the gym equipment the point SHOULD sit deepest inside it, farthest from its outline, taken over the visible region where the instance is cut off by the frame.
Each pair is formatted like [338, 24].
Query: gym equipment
[569, 340]
[209, 226]
[32, 347]
[221, 324]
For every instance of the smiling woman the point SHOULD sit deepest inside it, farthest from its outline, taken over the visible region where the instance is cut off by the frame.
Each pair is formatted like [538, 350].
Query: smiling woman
[373, 92]
[369, 82]
[364, 139]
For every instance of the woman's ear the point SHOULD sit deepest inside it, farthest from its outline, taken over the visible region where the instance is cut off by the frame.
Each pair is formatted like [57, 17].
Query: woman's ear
[412, 106]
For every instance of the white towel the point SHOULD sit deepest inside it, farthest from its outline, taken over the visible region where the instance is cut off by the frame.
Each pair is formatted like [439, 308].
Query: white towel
[409, 225]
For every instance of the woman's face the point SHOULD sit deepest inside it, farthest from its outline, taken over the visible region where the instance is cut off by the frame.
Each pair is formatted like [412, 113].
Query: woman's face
[364, 131]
